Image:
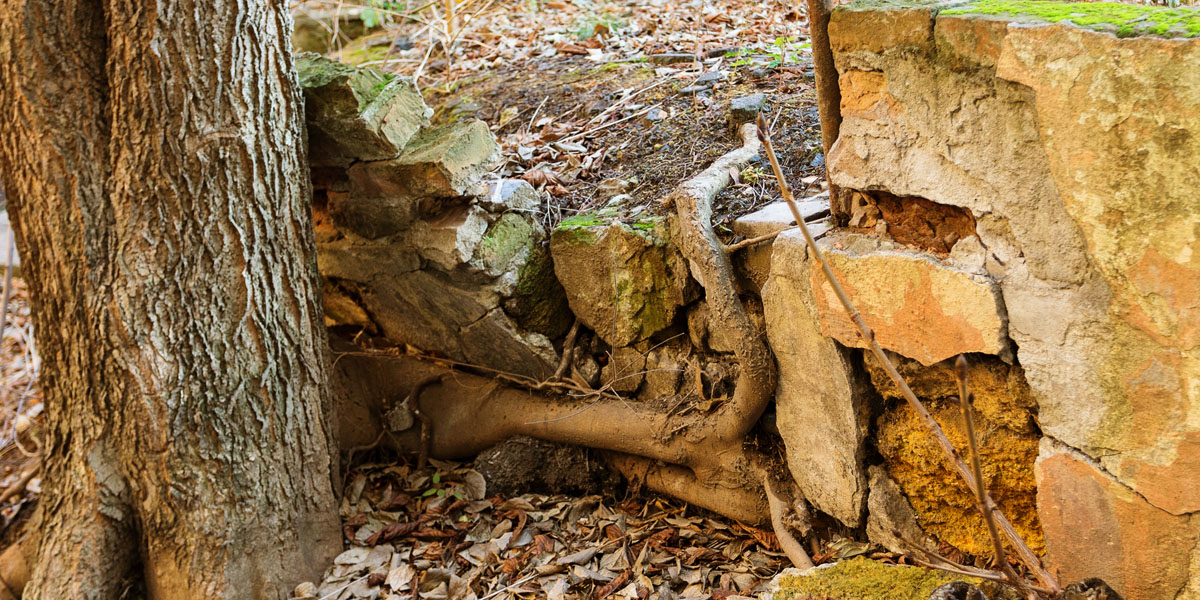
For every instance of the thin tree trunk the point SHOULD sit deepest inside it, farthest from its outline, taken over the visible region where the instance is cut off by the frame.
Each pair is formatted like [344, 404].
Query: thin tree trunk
[158, 186]
[829, 95]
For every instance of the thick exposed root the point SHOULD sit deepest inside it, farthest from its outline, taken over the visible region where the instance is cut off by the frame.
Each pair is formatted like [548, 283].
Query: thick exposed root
[721, 495]
[694, 457]
[87, 543]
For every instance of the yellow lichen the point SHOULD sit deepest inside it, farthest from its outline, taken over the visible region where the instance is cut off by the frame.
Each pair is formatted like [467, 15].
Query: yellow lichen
[1008, 445]
[865, 579]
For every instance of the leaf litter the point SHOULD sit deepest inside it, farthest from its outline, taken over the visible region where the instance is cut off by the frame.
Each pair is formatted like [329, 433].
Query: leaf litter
[438, 534]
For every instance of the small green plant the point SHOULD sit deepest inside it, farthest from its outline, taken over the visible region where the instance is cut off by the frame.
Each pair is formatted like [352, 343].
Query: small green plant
[440, 490]
[782, 51]
[376, 11]
[588, 25]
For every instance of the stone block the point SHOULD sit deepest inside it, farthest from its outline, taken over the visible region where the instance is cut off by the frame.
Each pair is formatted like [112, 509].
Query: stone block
[356, 113]
[1138, 218]
[1095, 526]
[821, 400]
[916, 305]
[447, 161]
[888, 512]
[625, 370]
[754, 264]
[625, 282]
[853, 28]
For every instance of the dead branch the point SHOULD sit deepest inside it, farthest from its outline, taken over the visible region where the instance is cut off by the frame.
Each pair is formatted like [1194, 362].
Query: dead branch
[731, 248]
[1027, 555]
[982, 500]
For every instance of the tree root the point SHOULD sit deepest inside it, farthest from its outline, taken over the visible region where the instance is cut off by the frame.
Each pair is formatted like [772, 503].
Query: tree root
[702, 457]
[739, 503]
[791, 547]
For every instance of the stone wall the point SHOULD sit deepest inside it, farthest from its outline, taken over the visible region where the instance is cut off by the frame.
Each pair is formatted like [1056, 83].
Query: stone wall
[1022, 192]
[1076, 152]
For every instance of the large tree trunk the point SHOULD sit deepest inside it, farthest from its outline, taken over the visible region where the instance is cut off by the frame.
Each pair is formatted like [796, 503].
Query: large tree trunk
[154, 160]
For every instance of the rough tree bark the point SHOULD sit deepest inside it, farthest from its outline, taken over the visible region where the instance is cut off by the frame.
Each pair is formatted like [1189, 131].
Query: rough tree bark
[154, 158]
[829, 95]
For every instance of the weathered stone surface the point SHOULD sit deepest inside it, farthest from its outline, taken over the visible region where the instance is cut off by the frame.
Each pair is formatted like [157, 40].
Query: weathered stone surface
[858, 27]
[539, 303]
[821, 401]
[625, 282]
[1126, 158]
[357, 113]
[447, 161]
[510, 194]
[467, 283]
[916, 305]
[888, 511]
[754, 264]
[664, 367]
[1076, 151]
[776, 216]
[1097, 526]
[1004, 410]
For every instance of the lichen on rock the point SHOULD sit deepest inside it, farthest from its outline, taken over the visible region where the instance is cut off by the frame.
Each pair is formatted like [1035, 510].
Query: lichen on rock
[357, 113]
[861, 578]
[624, 281]
[1008, 438]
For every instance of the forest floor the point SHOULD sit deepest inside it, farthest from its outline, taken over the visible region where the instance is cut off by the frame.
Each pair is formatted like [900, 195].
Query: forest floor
[439, 533]
[612, 103]
[20, 409]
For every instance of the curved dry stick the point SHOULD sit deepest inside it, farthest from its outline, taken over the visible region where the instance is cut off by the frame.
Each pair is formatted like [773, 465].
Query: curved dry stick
[1027, 556]
[791, 547]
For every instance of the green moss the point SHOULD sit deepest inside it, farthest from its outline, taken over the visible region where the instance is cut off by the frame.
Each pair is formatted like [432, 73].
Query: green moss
[540, 303]
[865, 579]
[582, 220]
[363, 84]
[1123, 19]
[504, 240]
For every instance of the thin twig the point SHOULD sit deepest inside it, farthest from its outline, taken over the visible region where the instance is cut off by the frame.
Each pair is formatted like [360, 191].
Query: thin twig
[731, 248]
[982, 500]
[500, 591]
[1027, 555]
[635, 115]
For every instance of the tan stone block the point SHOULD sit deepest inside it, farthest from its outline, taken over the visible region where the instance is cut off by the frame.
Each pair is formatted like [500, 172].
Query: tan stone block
[969, 41]
[878, 30]
[821, 398]
[918, 306]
